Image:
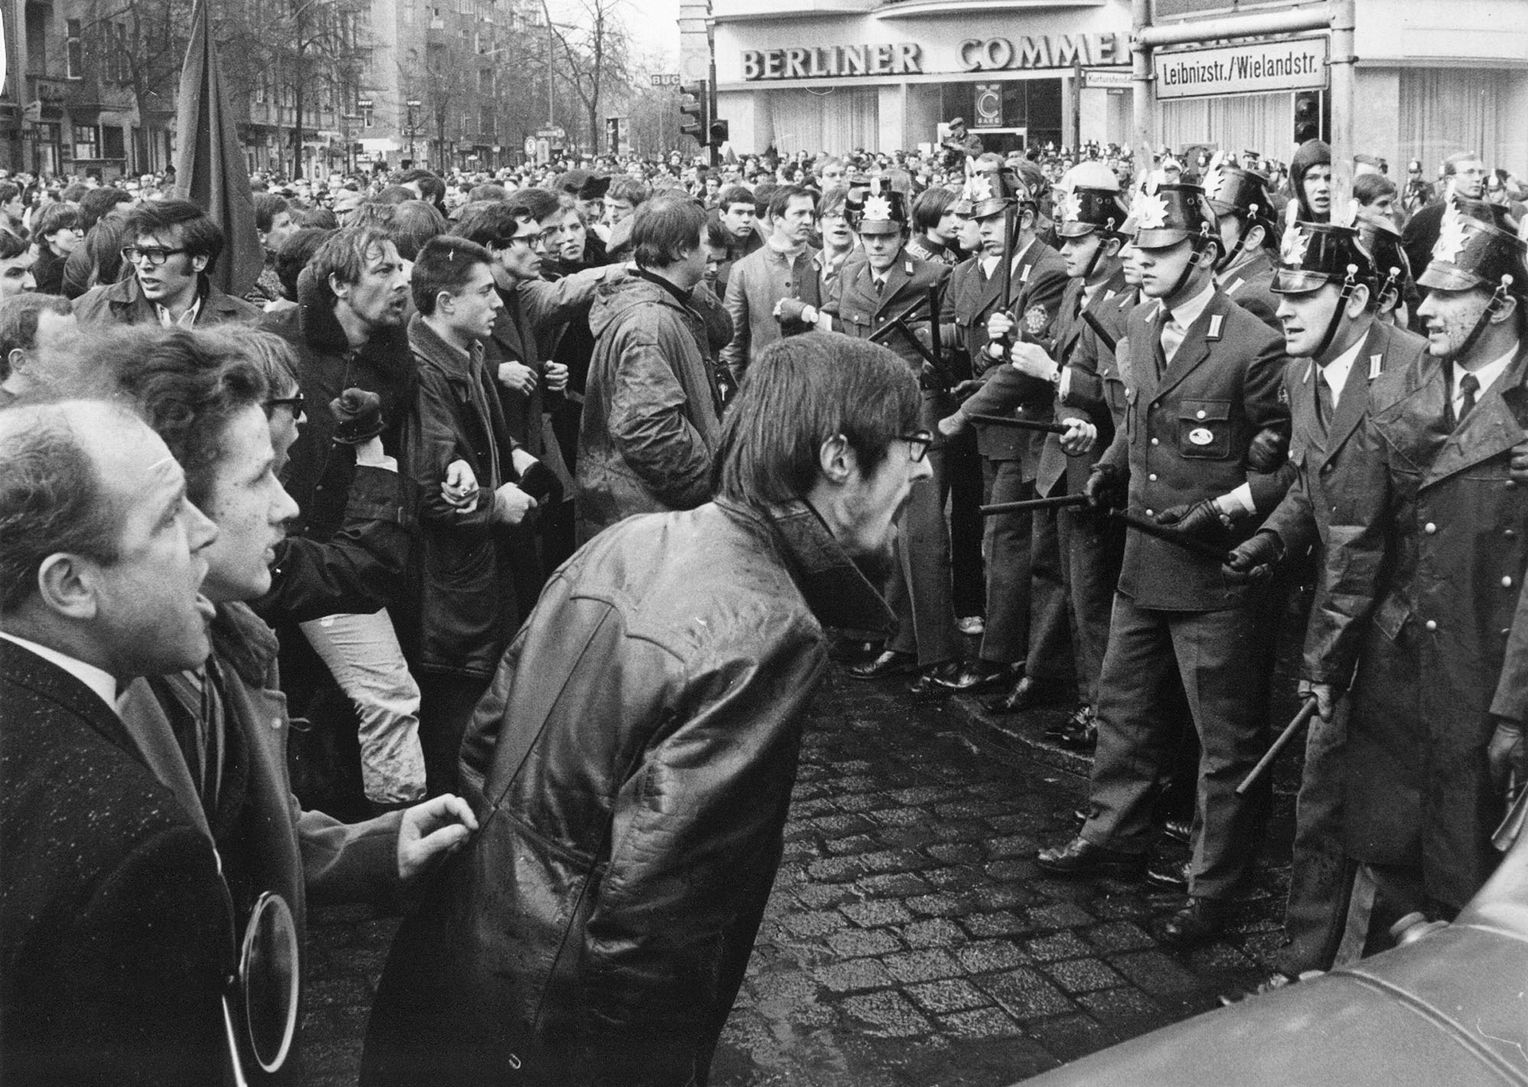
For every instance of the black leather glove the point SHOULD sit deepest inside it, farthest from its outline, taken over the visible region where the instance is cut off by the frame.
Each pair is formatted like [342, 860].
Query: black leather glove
[1269, 448]
[542, 484]
[358, 416]
[1198, 519]
[1254, 559]
[1106, 488]
[1507, 754]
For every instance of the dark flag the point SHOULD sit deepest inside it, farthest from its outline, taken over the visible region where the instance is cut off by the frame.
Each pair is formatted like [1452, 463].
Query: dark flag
[209, 160]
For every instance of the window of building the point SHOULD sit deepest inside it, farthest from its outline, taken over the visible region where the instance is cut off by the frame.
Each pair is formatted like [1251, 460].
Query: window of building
[86, 142]
[74, 50]
[485, 81]
[113, 145]
[486, 122]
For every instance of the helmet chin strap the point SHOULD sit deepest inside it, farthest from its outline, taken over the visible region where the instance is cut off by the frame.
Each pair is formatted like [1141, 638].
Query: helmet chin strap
[1230, 257]
[1098, 251]
[1498, 297]
[1336, 322]
[1193, 262]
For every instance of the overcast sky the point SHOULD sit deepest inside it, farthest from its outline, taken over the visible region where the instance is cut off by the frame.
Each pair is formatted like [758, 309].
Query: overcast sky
[653, 25]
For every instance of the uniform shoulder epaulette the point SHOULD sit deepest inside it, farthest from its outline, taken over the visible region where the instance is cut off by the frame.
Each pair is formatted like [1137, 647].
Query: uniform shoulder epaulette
[1376, 365]
[1215, 321]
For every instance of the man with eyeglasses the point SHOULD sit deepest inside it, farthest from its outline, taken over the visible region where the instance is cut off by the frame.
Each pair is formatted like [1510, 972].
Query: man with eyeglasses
[1464, 178]
[171, 246]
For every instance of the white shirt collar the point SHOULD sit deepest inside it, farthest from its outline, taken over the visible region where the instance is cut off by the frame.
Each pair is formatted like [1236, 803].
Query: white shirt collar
[1486, 375]
[187, 319]
[98, 680]
[1187, 312]
[1335, 373]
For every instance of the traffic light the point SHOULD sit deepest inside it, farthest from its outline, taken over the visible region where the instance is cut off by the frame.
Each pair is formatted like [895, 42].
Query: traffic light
[694, 107]
[719, 131]
[1307, 116]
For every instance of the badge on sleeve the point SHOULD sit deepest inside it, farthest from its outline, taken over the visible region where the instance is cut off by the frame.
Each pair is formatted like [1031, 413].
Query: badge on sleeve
[1035, 319]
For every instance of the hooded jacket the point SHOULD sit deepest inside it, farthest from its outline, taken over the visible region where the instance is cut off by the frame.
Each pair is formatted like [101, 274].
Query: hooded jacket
[652, 412]
[320, 473]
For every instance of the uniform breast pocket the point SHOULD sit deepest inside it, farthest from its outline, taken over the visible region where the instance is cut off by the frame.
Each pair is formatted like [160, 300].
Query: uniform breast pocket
[1204, 429]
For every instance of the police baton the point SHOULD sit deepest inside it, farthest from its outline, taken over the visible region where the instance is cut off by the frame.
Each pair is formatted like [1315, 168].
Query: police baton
[1170, 535]
[1019, 424]
[1301, 719]
[1059, 502]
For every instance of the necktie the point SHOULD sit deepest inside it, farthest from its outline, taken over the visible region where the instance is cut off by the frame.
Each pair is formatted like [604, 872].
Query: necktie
[1323, 400]
[880, 285]
[1172, 338]
[1469, 385]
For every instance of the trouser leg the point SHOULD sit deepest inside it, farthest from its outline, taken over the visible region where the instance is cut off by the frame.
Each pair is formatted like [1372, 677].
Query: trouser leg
[445, 711]
[963, 482]
[925, 566]
[1093, 553]
[1050, 644]
[363, 655]
[1006, 639]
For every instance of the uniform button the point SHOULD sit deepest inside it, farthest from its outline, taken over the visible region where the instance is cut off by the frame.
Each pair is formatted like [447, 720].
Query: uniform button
[1506, 582]
[1431, 624]
[1152, 477]
[1151, 513]
[1156, 441]
[1430, 528]
[275, 722]
[1199, 415]
[1510, 533]
[1511, 483]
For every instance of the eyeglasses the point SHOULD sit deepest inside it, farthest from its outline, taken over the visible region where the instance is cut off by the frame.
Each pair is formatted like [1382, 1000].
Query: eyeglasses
[295, 402]
[154, 255]
[917, 444]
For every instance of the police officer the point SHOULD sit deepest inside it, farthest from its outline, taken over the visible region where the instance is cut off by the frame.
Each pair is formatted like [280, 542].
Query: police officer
[1205, 383]
[1249, 235]
[870, 295]
[1330, 293]
[1423, 580]
[1011, 457]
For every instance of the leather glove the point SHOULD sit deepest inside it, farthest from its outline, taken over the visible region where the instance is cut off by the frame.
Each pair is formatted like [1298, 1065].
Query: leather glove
[967, 388]
[1322, 693]
[542, 484]
[358, 415]
[1254, 559]
[790, 310]
[1519, 469]
[1106, 488]
[1269, 449]
[1199, 519]
[1507, 754]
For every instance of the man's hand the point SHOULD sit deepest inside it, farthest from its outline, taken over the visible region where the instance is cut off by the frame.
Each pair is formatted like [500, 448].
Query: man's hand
[556, 376]
[1105, 488]
[460, 487]
[1269, 449]
[517, 377]
[966, 389]
[1200, 519]
[1079, 437]
[511, 504]
[999, 326]
[1254, 559]
[369, 455]
[1031, 359]
[794, 311]
[1322, 693]
[432, 831]
[1519, 467]
[1506, 755]
[952, 425]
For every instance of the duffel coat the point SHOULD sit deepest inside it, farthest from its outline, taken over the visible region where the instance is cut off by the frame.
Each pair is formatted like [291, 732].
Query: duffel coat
[1424, 576]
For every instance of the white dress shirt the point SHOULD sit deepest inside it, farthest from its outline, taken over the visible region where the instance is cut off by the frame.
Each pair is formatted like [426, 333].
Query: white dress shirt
[98, 680]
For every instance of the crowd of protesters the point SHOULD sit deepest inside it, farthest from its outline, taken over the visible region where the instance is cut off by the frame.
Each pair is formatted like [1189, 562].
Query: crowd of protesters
[557, 488]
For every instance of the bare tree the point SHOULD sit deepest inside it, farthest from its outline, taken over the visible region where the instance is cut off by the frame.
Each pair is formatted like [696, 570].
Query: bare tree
[140, 44]
[597, 56]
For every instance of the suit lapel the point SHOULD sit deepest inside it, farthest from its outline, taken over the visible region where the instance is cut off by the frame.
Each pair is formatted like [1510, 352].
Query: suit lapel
[1349, 409]
[1195, 347]
[1491, 428]
[896, 279]
[47, 680]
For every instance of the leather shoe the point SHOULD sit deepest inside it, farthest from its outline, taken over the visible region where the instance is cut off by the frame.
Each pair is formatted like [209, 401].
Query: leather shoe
[982, 675]
[927, 684]
[849, 651]
[1082, 859]
[971, 625]
[890, 663]
[1026, 693]
[1200, 920]
[1172, 876]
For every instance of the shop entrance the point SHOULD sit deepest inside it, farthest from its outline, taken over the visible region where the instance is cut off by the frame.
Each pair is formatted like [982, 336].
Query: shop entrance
[1012, 115]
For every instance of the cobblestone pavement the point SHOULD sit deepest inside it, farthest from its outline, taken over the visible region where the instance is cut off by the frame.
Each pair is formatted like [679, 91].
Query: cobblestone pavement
[910, 939]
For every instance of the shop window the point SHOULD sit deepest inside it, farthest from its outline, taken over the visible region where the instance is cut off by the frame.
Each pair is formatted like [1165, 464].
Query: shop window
[74, 50]
[1444, 110]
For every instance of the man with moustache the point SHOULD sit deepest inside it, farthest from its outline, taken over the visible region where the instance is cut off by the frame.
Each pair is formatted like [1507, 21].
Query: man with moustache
[114, 941]
[1329, 294]
[1422, 584]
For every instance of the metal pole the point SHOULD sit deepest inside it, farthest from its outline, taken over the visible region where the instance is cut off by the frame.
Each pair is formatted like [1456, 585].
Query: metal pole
[1228, 26]
[1143, 101]
[1341, 90]
[1077, 109]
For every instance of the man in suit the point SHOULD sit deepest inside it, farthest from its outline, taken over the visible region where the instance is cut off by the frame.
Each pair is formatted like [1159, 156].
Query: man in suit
[783, 269]
[1011, 457]
[1329, 291]
[1206, 377]
[871, 294]
[114, 936]
[1422, 586]
[1249, 234]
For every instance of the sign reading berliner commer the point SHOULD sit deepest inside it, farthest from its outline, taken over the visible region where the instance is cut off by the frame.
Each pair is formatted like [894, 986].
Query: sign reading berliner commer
[1293, 64]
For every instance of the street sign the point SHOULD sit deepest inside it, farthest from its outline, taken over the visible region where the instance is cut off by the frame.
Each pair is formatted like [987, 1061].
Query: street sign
[530, 145]
[551, 132]
[666, 80]
[1113, 79]
[1289, 64]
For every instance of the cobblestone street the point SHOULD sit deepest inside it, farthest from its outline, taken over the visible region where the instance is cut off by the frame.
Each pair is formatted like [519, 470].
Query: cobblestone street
[910, 939]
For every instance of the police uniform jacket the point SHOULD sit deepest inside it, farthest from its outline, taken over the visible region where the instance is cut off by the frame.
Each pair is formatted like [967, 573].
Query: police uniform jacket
[1187, 428]
[857, 310]
[1249, 284]
[1099, 371]
[1424, 578]
[1039, 280]
[1303, 519]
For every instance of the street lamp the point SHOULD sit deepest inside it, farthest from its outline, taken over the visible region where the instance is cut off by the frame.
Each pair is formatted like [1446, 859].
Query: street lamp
[413, 105]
